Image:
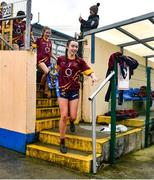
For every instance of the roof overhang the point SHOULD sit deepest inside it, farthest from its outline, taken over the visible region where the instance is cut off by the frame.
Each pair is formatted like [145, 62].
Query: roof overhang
[135, 35]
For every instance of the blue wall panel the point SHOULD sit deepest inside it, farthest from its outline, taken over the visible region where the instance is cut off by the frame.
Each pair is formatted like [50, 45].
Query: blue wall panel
[15, 140]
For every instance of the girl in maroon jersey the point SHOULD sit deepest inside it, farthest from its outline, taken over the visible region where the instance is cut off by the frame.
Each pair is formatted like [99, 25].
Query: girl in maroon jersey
[70, 67]
[19, 27]
[44, 53]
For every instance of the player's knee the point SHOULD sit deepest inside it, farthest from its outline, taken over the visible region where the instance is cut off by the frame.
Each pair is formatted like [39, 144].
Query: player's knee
[64, 118]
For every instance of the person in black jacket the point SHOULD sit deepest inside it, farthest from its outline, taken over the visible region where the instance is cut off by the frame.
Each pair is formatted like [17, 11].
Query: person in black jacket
[93, 19]
[86, 25]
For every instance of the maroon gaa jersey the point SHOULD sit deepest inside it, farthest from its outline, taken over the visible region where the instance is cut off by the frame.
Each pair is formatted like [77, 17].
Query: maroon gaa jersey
[19, 28]
[44, 49]
[69, 72]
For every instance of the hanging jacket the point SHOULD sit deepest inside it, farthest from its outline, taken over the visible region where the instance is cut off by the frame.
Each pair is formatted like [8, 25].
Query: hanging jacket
[91, 23]
[122, 61]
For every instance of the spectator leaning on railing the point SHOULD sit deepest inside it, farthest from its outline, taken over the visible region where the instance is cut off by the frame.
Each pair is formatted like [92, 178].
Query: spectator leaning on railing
[19, 27]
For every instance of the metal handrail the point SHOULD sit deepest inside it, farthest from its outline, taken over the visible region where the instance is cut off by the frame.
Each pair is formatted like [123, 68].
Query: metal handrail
[101, 85]
[6, 42]
[12, 18]
[93, 107]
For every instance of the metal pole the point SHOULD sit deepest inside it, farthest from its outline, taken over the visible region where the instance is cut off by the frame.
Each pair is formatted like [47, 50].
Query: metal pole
[56, 49]
[12, 18]
[93, 105]
[146, 64]
[82, 40]
[93, 48]
[93, 111]
[38, 17]
[148, 92]
[28, 22]
[113, 115]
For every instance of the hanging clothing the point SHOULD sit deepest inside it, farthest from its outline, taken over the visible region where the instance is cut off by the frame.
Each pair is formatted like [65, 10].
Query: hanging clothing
[122, 61]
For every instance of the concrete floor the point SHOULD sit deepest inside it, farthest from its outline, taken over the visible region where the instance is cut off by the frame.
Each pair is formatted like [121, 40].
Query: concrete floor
[138, 165]
[14, 165]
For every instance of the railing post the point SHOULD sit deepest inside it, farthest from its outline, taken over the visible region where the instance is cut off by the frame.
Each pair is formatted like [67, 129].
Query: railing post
[92, 48]
[92, 98]
[93, 110]
[28, 22]
[148, 92]
[113, 115]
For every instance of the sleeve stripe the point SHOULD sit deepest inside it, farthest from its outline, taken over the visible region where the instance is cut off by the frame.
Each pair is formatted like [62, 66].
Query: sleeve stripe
[88, 72]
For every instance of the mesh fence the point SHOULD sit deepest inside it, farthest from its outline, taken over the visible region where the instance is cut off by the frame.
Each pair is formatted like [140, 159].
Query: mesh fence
[9, 10]
[58, 48]
[18, 5]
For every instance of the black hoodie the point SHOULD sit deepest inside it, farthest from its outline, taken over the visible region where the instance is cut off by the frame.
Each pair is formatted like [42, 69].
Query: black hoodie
[91, 23]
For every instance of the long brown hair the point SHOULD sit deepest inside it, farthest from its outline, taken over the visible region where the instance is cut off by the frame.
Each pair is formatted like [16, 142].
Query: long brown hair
[44, 29]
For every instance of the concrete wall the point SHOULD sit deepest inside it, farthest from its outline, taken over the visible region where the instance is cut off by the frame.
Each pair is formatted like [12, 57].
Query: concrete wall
[17, 98]
[131, 141]
[103, 50]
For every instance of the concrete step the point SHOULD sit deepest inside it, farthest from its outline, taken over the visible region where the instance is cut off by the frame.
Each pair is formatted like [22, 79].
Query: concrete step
[40, 87]
[39, 94]
[46, 124]
[132, 122]
[76, 142]
[50, 112]
[49, 123]
[44, 102]
[76, 160]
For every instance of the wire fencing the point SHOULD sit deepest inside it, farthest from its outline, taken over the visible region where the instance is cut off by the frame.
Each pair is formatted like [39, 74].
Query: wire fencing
[15, 20]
